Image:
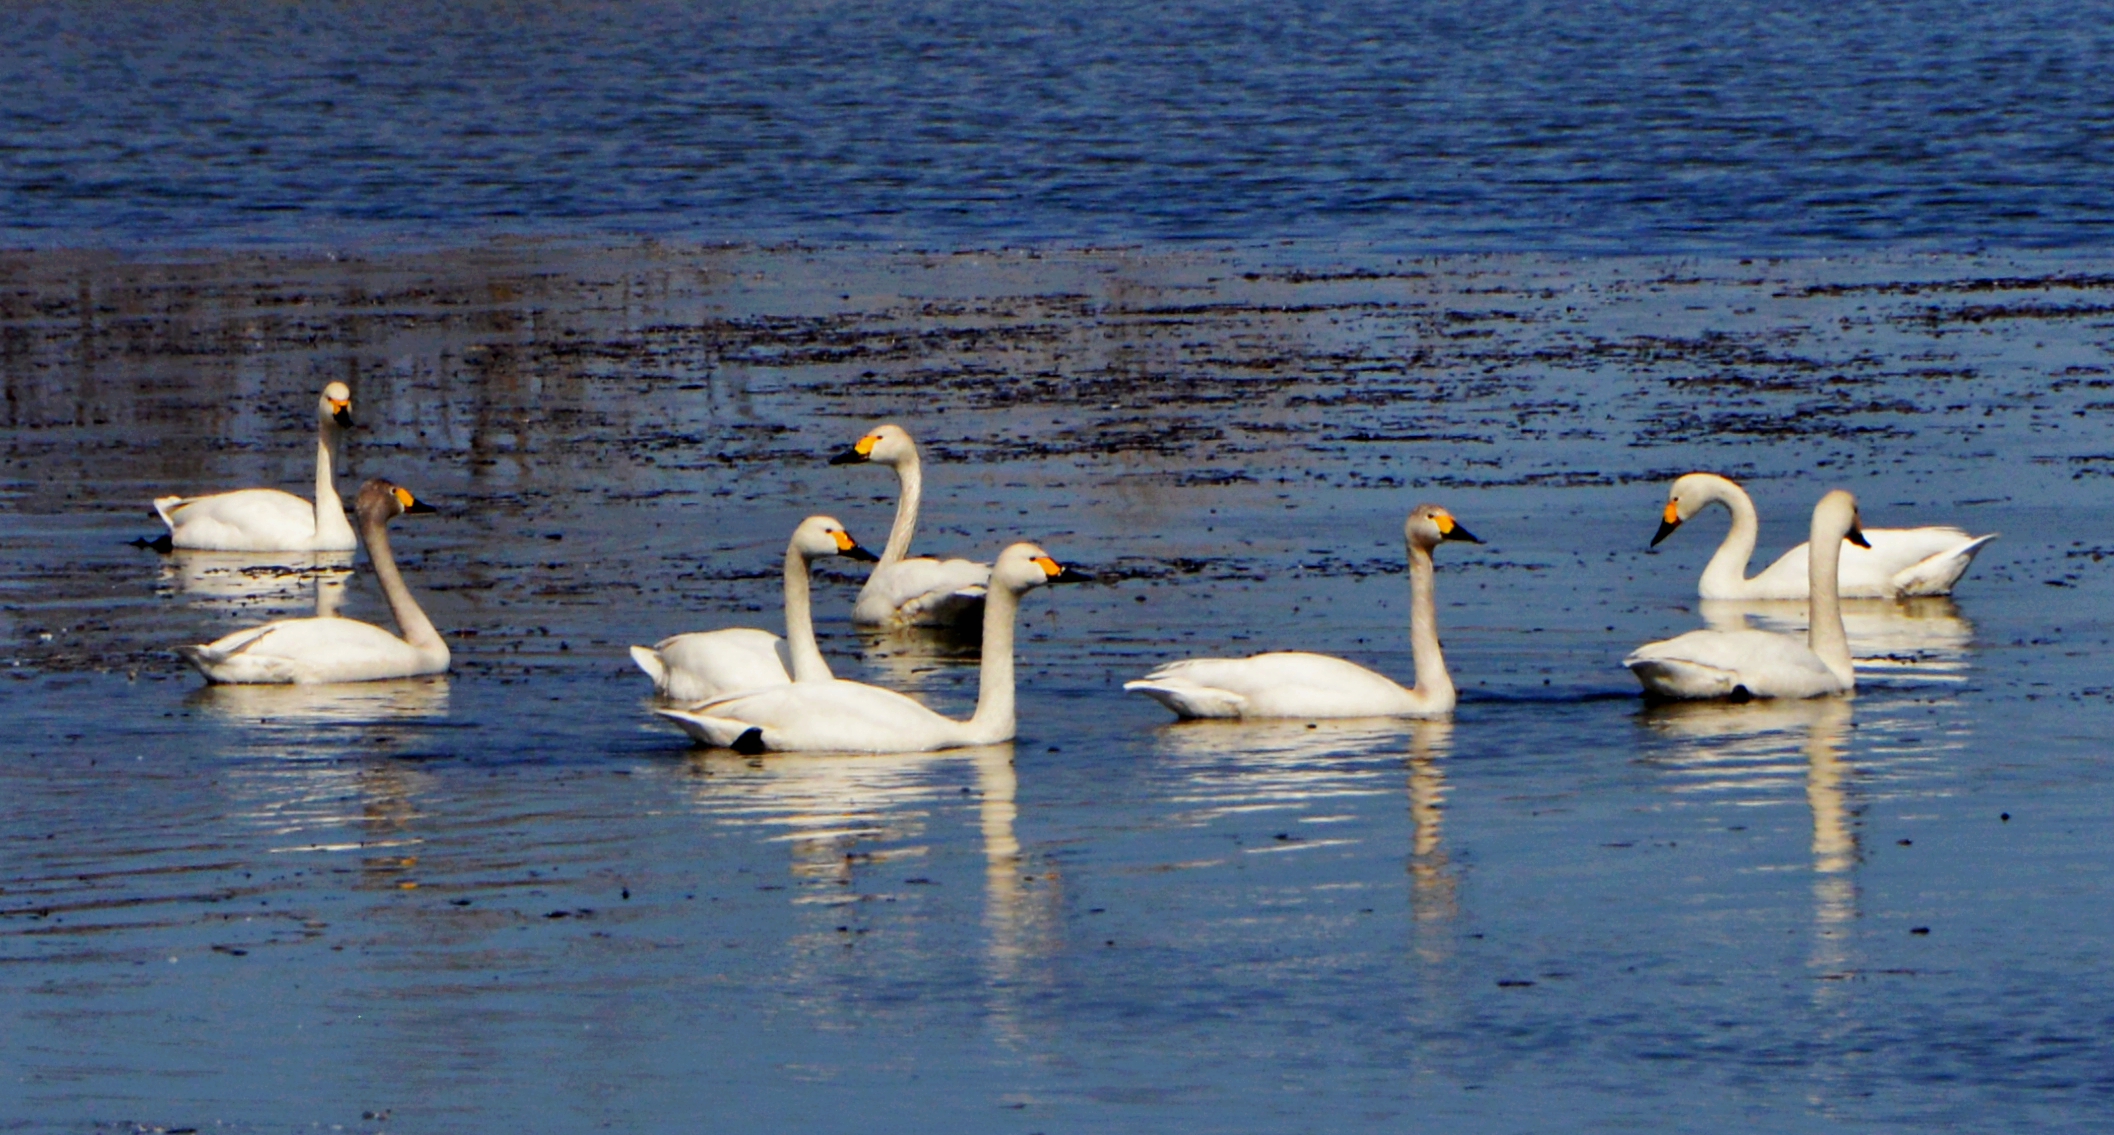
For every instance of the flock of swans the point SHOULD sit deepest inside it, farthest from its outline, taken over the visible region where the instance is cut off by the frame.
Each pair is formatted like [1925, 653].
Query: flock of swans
[734, 688]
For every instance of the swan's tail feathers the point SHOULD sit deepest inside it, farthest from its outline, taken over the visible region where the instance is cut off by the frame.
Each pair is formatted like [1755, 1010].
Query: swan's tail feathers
[718, 732]
[1680, 678]
[1936, 575]
[165, 507]
[1187, 699]
[961, 607]
[227, 660]
[650, 661]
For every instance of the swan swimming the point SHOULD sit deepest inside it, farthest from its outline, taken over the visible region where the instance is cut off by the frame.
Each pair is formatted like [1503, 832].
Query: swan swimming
[841, 716]
[704, 665]
[1298, 684]
[1899, 563]
[332, 649]
[268, 520]
[905, 590]
[1760, 664]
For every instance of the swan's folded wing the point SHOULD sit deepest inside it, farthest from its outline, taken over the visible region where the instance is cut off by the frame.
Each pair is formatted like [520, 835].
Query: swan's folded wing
[836, 716]
[706, 665]
[1937, 573]
[242, 520]
[1702, 664]
[718, 732]
[1279, 684]
[1187, 699]
[924, 592]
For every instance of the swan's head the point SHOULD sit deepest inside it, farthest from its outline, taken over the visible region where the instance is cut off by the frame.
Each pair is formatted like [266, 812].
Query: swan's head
[820, 536]
[1690, 495]
[883, 445]
[381, 500]
[1835, 517]
[1429, 525]
[1024, 567]
[336, 404]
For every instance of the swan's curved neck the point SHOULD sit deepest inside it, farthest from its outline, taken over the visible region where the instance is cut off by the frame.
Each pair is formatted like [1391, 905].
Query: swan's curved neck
[993, 721]
[808, 663]
[911, 480]
[330, 511]
[1727, 571]
[1434, 684]
[410, 621]
[1824, 634]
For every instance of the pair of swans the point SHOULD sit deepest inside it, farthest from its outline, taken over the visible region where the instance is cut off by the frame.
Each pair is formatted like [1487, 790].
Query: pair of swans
[332, 649]
[1895, 563]
[831, 714]
[1744, 664]
[1298, 684]
[268, 520]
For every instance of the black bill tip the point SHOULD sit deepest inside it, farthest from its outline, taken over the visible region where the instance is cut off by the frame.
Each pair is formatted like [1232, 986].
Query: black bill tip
[343, 417]
[848, 457]
[1666, 528]
[1856, 536]
[856, 552]
[419, 506]
[1462, 534]
[1071, 575]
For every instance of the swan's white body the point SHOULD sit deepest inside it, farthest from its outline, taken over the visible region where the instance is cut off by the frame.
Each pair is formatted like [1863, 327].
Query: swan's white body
[905, 590]
[267, 520]
[331, 649]
[840, 716]
[1297, 684]
[1718, 664]
[1900, 563]
[704, 665]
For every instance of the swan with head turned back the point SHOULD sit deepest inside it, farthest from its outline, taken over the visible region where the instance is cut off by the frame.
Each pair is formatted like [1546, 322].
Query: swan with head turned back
[841, 716]
[1298, 684]
[268, 520]
[1761, 664]
[1899, 563]
[905, 590]
[332, 649]
[704, 665]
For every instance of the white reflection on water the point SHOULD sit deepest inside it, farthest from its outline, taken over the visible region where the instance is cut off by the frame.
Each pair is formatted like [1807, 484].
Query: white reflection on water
[919, 659]
[1923, 639]
[1434, 891]
[1232, 767]
[333, 704]
[254, 582]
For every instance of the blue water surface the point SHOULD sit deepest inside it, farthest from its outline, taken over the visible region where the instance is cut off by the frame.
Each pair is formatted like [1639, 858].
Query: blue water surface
[1657, 125]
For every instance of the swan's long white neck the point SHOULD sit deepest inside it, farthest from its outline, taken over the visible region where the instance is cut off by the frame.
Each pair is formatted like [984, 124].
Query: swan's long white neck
[410, 621]
[993, 721]
[1824, 633]
[911, 481]
[330, 511]
[1726, 573]
[1434, 684]
[808, 663]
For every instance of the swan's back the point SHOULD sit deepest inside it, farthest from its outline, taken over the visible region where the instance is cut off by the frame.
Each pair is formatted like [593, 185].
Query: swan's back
[837, 715]
[245, 520]
[314, 650]
[1708, 664]
[706, 665]
[922, 591]
[1875, 572]
[1279, 684]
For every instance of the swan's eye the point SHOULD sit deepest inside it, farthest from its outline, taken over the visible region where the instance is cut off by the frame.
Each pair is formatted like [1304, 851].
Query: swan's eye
[865, 446]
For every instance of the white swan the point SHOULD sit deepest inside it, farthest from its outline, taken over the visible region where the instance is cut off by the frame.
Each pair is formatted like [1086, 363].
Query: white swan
[905, 590]
[328, 648]
[841, 716]
[1900, 562]
[267, 520]
[1297, 684]
[1742, 664]
[704, 665]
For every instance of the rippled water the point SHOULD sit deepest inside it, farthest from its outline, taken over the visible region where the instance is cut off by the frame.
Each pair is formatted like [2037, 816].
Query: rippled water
[1523, 124]
[511, 897]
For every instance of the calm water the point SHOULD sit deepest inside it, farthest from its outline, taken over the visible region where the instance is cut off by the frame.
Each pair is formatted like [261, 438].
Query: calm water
[511, 898]
[1651, 126]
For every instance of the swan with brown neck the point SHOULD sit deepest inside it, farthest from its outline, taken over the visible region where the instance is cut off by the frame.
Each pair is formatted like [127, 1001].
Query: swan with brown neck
[331, 649]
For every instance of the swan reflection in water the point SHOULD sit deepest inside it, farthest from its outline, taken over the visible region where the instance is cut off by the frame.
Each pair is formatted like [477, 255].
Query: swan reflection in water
[921, 660]
[838, 813]
[1926, 639]
[1434, 890]
[333, 703]
[1746, 751]
[253, 583]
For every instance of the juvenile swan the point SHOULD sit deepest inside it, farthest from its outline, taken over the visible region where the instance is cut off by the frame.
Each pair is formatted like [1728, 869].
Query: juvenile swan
[331, 649]
[1740, 664]
[1900, 563]
[841, 716]
[267, 520]
[917, 591]
[1297, 684]
[703, 665]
